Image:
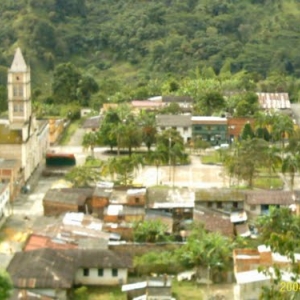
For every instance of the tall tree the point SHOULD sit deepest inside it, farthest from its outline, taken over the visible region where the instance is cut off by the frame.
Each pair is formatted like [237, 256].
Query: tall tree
[82, 176]
[150, 232]
[282, 128]
[157, 158]
[207, 250]
[65, 83]
[291, 165]
[148, 127]
[91, 140]
[210, 102]
[244, 161]
[247, 132]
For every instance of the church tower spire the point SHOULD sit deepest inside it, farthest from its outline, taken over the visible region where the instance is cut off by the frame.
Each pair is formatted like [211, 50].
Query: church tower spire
[19, 90]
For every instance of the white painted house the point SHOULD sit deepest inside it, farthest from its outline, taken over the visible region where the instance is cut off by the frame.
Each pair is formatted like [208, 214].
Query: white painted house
[250, 283]
[181, 123]
[54, 272]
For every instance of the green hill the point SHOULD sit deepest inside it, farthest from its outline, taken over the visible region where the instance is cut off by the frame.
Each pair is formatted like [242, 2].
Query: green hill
[131, 41]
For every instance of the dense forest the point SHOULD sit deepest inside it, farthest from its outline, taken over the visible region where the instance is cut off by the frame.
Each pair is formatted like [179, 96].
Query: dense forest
[141, 48]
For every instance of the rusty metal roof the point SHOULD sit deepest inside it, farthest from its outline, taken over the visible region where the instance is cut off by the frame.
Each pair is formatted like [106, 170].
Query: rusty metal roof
[274, 100]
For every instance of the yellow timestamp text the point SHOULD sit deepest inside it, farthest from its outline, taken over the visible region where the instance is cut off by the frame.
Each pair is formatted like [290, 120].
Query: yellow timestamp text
[289, 286]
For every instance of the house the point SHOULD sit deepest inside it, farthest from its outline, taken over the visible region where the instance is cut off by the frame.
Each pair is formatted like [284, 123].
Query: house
[22, 137]
[214, 222]
[181, 123]
[36, 241]
[92, 123]
[258, 202]
[11, 173]
[224, 199]
[136, 197]
[249, 284]
[145, 105]
[210, 129]
[100, 199]
[59, 201]
[53, 273]
[235, 127]
[178, 202]
[46, 272]
[5, 208]
[117, 213]
[249, 279]
[102, 267]
[155, 288]
[274, 101]
[79, 229]
[184, 102]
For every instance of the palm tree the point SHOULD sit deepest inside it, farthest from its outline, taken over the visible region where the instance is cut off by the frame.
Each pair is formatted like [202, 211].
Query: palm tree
[290, 165]
[272, 159]
[177, 154]
[157, 158]
[90, 140]
[82, 176]
[148, 128]
[282, 126]
[131, 136]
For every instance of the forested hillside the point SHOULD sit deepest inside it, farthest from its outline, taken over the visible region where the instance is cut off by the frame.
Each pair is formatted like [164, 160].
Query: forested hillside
[134, 41]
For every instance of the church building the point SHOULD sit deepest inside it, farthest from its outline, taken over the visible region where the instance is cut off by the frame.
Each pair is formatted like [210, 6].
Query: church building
[22, 138]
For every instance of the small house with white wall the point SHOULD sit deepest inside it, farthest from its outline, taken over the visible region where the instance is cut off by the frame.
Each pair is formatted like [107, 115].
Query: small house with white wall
[181, 123]
[54, 272]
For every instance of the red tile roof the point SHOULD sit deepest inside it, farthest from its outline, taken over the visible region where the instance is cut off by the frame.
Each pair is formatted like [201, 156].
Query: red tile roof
[36, 241]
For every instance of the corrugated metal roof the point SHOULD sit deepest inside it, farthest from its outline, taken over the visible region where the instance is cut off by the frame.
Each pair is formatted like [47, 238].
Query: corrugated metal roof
[274, 100]
[270, 197]
[174, 120]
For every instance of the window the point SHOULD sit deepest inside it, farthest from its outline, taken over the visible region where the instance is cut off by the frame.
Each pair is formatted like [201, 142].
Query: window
[137, 200]
[185, 128]
[114, 272]
[86, 272]
[162, 128]
[209, 204]
[100, 272]
[18, 90]
[15, 107]
[252, 207]
[219, 204]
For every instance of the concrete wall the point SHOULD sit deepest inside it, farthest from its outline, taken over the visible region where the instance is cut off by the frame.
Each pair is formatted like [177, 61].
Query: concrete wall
[106, 279]
[252, 210]
[4, 201]
[252, 290]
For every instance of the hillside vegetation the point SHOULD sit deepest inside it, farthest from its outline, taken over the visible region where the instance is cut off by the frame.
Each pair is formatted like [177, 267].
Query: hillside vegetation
[125, 44]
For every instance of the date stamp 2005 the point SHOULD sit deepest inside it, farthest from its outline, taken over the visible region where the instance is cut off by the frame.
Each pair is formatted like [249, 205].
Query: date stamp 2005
[289, 286]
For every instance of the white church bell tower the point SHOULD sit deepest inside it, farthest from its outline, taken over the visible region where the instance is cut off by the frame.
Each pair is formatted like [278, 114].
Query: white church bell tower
[19, 90]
